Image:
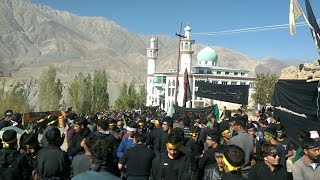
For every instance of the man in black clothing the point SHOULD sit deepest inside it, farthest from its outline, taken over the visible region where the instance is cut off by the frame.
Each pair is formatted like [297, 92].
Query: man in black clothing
[233, 158]
[10, 157]
[187, 124]
[103, 132]
[270, 136]
[208, 158]
[9, 173]
[82, 131]
[29, 146]
[51, 161]
[6, 121]
[167, 126]
[196, 150]
[138, 160]
[215, 171]
[143, 131]
[155, 132]
[269, 168]
[172, 164]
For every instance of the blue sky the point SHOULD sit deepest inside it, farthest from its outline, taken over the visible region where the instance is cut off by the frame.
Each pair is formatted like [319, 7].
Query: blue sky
[164, 17]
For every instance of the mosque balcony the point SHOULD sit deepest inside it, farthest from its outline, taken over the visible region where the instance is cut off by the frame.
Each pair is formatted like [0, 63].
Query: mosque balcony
[157, 84]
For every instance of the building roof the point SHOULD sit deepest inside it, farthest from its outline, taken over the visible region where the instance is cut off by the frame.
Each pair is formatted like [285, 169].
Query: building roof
[207, 54]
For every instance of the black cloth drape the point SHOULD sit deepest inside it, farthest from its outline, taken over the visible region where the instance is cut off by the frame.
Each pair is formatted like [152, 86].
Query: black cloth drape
[300, 97]
[230, 93]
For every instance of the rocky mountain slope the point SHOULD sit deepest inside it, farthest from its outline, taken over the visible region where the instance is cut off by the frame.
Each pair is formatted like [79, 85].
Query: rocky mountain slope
[33, 36]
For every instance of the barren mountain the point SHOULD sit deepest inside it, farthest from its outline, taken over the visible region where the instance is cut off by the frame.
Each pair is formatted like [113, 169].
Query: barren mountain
[33, 36]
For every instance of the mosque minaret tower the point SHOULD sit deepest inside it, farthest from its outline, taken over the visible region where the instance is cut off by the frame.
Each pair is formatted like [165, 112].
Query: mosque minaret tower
[152, 55]
[186, 51]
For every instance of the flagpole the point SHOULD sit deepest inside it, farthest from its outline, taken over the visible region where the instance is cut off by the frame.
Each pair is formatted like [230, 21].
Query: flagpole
[178, 67]
[314, 32]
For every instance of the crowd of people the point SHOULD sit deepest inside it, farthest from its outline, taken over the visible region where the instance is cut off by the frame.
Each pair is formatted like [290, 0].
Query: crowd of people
[142, 146]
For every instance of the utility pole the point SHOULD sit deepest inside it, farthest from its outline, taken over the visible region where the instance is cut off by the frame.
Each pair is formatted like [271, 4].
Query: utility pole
[178, 66]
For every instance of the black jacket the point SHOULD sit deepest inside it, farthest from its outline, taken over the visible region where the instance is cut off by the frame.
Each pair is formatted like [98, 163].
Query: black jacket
[261, 171]
[12, 158]
[74, 147]
[134, 157]
[196, 150]
[4, 123]
[159, 144]
[182, 167]
[52, 162]
[208, 158]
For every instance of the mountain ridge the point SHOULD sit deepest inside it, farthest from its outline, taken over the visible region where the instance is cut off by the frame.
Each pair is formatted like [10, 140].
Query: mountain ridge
[54, 34]
[34, 36]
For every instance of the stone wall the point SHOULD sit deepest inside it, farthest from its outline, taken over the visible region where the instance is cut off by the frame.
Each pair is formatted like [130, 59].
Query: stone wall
[309, 71]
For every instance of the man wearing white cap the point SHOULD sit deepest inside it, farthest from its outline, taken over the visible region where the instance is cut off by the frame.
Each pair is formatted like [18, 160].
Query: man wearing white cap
[127, 142]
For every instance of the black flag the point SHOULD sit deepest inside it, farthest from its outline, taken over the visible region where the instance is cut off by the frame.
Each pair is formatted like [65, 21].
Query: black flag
[315, 31]
[187, 91]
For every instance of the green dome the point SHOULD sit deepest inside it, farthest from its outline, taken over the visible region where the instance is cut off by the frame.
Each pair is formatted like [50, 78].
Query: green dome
[207, 54]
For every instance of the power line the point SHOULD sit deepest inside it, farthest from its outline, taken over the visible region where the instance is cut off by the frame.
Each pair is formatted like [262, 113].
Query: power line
[251, 29]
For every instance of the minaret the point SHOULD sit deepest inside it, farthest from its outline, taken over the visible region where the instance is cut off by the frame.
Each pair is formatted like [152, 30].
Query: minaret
[186, 51]
[152, 55]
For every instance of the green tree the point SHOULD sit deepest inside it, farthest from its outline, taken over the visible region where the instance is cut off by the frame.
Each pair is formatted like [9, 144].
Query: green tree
[80, 92]
[121, 101]
[129, 98]
[16, 101]
[264, 86]
[100, 96]
[141, 98]
[50, 90]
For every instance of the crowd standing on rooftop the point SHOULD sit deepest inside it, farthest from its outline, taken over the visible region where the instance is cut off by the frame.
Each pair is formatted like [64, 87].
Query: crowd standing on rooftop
[144, 145]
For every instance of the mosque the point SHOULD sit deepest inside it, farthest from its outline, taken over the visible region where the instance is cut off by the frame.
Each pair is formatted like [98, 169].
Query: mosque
[161, 87]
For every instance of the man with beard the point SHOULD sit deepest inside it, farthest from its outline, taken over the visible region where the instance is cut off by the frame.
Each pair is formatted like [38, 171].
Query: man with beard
[172, 164]
[269, 168]
[307, 167]
[81, 132]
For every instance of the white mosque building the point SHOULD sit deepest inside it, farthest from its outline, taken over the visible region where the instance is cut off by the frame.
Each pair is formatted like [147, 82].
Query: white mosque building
[161, 87]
